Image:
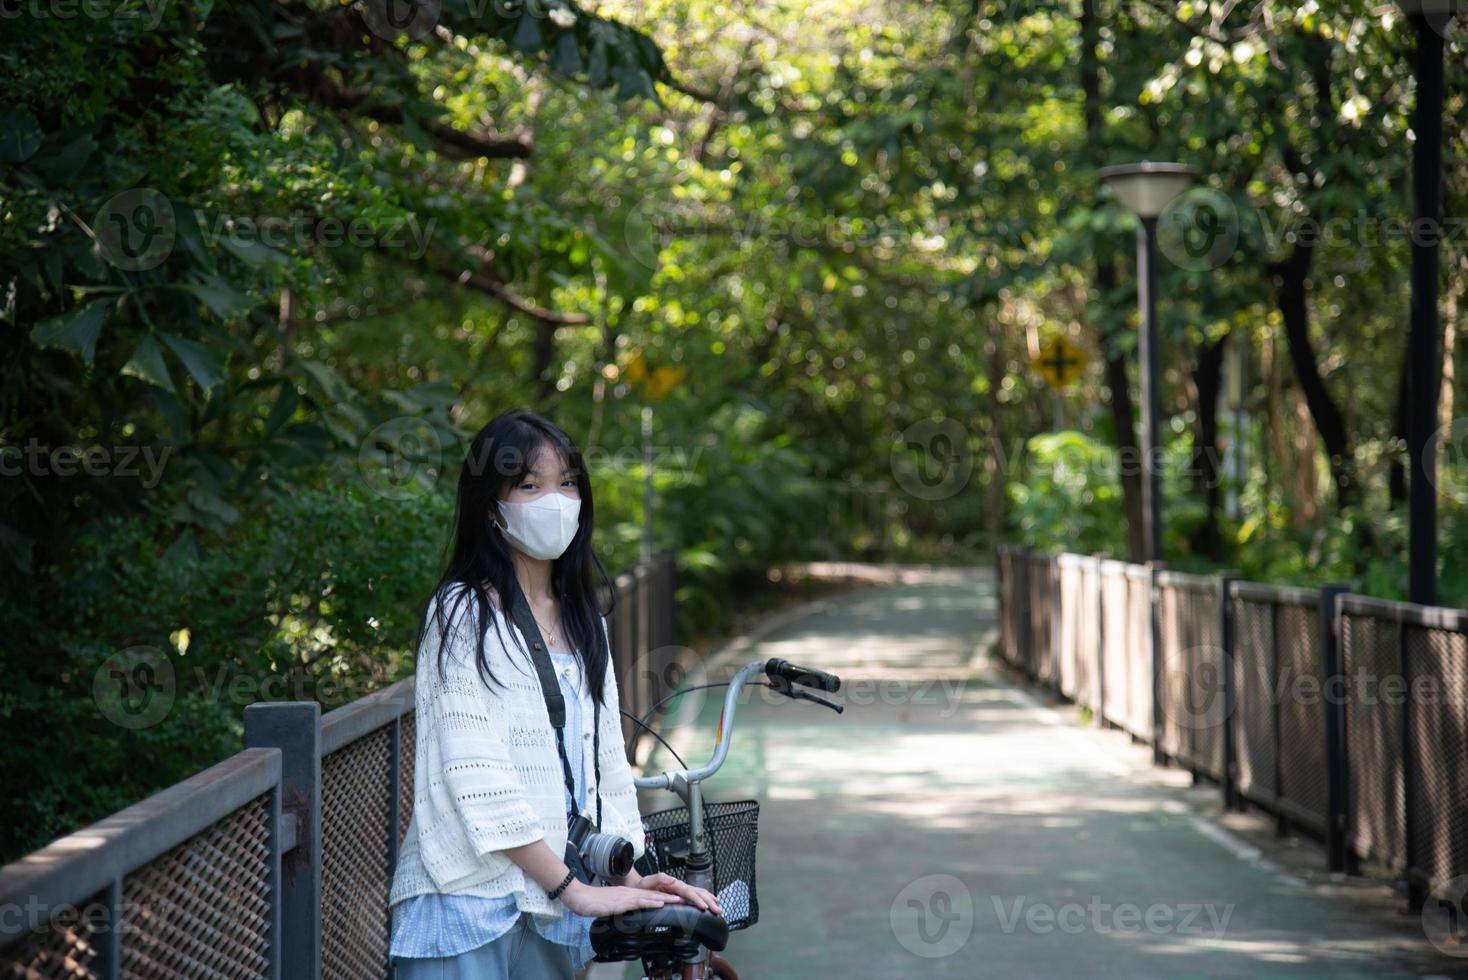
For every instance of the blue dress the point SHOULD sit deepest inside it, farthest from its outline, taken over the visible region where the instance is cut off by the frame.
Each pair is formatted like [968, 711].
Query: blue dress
[435, 924]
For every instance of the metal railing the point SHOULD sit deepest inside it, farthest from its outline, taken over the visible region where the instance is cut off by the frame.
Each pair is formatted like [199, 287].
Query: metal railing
[1342, 715]
[277, 861]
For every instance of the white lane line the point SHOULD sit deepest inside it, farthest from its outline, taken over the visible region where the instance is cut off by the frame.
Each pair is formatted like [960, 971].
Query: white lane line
[1226, 839]
[1243, 850]
[1050, 717]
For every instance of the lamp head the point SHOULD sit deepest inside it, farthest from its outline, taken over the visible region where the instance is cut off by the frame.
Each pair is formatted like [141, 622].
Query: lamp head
[1436, 14]
[1146, 188]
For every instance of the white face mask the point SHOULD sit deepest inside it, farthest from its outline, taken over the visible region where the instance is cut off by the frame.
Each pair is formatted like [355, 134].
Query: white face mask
[543, 527]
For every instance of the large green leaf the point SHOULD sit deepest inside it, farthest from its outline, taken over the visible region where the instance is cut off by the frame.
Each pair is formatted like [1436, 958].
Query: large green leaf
[331, 384]
[222, 300]
[527, 34]
[566, 55]
[204, 364]
[284, 407]
[147, 363]
[20, 135]
[75, 330]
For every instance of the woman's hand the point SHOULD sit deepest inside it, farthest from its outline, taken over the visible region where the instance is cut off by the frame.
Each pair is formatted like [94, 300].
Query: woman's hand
[593, 901]
[666, 884]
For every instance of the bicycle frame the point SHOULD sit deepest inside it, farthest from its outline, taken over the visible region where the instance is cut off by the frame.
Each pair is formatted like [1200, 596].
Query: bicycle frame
[688, 784]
[793, 681]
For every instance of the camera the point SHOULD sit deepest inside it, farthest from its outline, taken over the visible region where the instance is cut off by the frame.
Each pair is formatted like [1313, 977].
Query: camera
[606, 855]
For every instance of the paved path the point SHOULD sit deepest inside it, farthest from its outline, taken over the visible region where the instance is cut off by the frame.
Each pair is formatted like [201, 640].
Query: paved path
[951, 825]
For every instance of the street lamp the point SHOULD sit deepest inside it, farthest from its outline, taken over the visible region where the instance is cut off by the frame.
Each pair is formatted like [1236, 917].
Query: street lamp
[1429, 19]
[1145, 189]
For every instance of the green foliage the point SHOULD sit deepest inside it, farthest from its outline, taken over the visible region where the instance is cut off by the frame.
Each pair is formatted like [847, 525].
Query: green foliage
[1068, 497]
[317, 595]
[825, 223]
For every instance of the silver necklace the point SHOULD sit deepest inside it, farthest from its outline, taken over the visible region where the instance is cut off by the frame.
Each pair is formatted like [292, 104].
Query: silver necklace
[550, 633]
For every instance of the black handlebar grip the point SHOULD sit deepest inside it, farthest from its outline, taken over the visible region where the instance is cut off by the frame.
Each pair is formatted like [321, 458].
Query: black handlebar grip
[677, 929]
[796, 674]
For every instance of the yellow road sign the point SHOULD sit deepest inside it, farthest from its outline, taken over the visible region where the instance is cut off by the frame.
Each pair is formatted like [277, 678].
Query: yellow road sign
[1060, 362]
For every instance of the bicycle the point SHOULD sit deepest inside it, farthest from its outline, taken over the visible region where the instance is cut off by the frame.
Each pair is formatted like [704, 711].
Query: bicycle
[706, 845]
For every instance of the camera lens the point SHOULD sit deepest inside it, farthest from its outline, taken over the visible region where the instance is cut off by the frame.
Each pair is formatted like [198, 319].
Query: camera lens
[607, 855]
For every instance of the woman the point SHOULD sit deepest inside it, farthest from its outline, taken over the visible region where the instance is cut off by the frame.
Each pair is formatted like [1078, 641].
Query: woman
[482, 888]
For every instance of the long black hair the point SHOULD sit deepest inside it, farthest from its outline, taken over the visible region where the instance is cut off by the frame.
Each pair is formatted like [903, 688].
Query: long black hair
[499, 457]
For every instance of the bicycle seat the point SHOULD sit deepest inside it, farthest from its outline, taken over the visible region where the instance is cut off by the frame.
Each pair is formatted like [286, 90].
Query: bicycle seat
[673, 930]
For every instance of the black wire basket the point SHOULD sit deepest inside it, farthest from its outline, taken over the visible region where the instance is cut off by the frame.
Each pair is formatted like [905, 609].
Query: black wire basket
[731, 830]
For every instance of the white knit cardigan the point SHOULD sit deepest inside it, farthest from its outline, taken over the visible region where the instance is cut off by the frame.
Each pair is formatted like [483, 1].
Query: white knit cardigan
[486, 774]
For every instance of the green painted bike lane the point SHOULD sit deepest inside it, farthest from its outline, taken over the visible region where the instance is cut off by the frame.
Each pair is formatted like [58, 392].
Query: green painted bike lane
[948, 824]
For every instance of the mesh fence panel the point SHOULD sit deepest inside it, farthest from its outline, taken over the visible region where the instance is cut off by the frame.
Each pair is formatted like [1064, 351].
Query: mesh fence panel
[1300, 691]
[1205, 707]
[1253, 694]
[1374, 796]
[354, 859]
[202, 909]
[1025, 623]
[1019, 618]
[621, 626]
[1042, 609]
[407, 743]
[66, 948]
[1007, 611]
[1437, 791]
[1192, 671]
[1175, 670]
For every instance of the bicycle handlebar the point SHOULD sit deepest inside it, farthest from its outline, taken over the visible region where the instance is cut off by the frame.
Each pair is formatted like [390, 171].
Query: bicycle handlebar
[796, 674]
[782, 674]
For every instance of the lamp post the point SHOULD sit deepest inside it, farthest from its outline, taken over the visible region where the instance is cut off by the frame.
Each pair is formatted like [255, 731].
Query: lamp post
[1145, 189]
[1428, 19]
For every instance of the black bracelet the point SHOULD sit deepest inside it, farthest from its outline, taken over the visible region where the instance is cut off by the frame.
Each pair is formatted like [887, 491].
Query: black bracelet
[570, 877]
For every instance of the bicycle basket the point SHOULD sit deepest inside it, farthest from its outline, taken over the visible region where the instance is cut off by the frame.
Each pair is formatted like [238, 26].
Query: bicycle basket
[732, 830]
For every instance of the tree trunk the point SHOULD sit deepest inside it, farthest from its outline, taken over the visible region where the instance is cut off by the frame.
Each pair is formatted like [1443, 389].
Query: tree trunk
[1291, 276]
[1397, 469]
[1450, 345]
[1208, 381]
[996, 461]
[542, 360]
[1118, 388]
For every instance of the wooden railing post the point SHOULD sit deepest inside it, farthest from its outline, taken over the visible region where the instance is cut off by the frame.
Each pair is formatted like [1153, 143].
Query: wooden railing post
[1416, 891]
[1098, 677]
[294, 727]
[1154, 644]
[1226, 642]
[1333, 686]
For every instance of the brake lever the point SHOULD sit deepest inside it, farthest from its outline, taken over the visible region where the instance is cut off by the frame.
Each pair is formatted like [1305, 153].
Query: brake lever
[807, 695]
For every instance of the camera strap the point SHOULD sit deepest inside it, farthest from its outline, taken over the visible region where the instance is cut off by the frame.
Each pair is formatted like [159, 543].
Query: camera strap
[555, 702]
